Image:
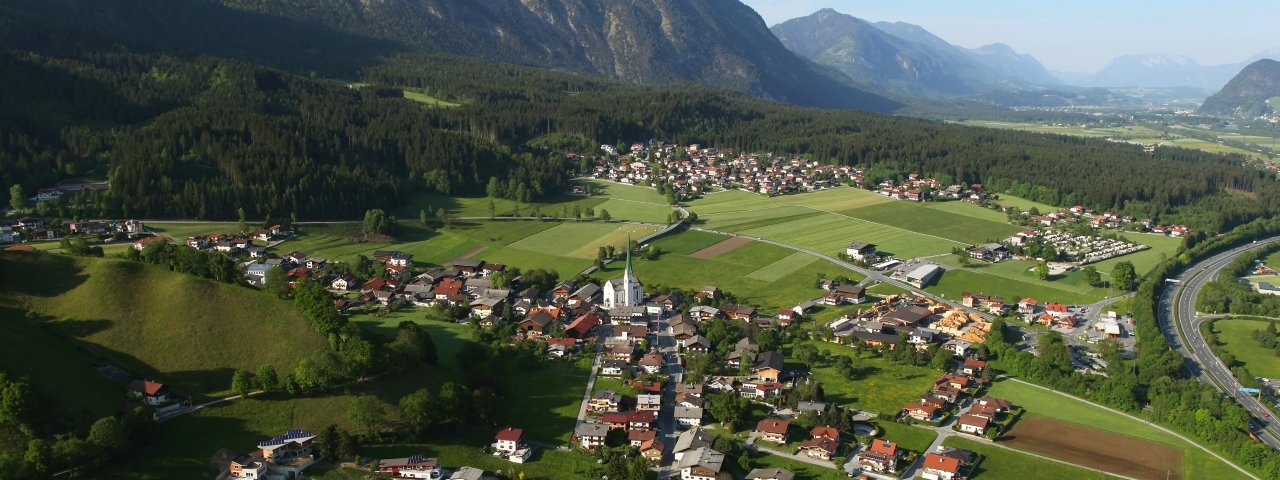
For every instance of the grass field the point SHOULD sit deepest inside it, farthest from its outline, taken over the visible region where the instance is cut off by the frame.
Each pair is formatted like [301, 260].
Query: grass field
[429, 100]
[953, 283]
[1024, 204]
[180, 231]
[545, 464]
[881, 386]
[1162, 247]
[998, 463]
[829, 200]
[1196, 463]
[1136, 133]
[829, 233]
[582, 240]
[624, 202]
[181, 330]
[781, 268]
[803, 471]
[1237, 336]
[938, 220]
[909, 437]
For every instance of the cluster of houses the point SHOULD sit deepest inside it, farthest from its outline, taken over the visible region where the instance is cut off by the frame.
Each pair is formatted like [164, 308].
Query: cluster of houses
[918, 189]
[1077, 248]
[922, 321]
[1079, 214]
[948, 391]
[1052, 314]
[18, 230]
[692, 169]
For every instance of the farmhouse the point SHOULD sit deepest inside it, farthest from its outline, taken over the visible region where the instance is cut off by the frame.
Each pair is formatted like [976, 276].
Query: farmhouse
[539, 322]
[591, 434]
[860, 251]
[149, 392]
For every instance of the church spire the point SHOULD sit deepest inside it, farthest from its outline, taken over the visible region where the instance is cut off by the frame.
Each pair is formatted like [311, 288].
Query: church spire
[628, 270]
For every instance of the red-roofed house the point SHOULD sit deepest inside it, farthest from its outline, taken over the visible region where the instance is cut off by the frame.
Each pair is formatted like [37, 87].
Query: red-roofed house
[880, 457]
[509, 440]
[921, 411]
[973, 367]
[581, 327]
[773, 430]
[973, 424]
[149, 392]
[940, 467]
[823, 447]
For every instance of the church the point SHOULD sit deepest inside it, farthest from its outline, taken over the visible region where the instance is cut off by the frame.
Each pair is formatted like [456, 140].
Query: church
[625, 291]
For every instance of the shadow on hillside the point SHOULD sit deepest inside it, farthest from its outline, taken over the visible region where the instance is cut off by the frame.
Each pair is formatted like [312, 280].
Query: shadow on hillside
[39, 274]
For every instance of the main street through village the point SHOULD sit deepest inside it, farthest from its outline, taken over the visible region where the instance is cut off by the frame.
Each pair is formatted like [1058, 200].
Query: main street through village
[1179, 319]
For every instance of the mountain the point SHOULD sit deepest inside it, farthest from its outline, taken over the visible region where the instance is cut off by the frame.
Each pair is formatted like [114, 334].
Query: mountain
[1247, 93]
[722, 43]
[1008, 63]
[903, 58]
[1155, 70]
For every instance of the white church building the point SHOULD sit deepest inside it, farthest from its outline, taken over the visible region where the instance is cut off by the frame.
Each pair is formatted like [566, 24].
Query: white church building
[625, 291]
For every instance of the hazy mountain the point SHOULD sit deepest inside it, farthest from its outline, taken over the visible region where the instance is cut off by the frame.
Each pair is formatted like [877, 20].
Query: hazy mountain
[722, 43]
[1154, 70]
[1247, 93]
[1008, 63]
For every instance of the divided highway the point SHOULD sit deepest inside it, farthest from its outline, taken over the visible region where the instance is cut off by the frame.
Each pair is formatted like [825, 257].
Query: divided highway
[1181, 324]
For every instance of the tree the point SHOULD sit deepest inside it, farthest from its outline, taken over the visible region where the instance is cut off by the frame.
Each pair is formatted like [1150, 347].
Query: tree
[329, 441]
[1091, 276]
[418, 410]
[39, 456]
[941, 359]
[241, 382]
[493, 209]
[377, 222]
[17, 199]
[1042, 271]
[368, 413]
[805, 353]
[16, 401]
[727, 408]
[244, 224]
[267, 377]
[107, 434]
[604, 215]
[1123, 275]
[423, 218]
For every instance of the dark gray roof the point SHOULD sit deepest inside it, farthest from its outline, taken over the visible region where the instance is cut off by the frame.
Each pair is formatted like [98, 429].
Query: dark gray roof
[769, 360]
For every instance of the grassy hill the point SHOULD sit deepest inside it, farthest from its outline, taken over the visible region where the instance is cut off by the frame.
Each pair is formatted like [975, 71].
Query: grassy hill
[181, 330]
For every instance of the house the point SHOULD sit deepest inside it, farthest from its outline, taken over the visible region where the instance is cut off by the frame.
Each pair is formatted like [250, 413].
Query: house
[589, 293]
[468, 266]
[652, 363]
[508, 440]
[688, 416]
[989, 412]
[775, 473]
[641, 420]
[846, 293]
[701, 464]
[485, 306]
[630, 334]
[738, 312]
[973, 367]
[149, 392]
[946, 392]
[604, 401]
[823, 448]
[651, 449]
[807, 406]
[940, 467]
[703, 313]
[139, 245]
[295, 451]
[256, 273]
[467, 473]
[562, 290]
[636, 438]
[416, 467]
[539, 322]
[1028, 306]
[990, 252]
[691, 440]
[343, 282]
[921, 411]
[760, 390]
[860, 251]
[683, 332]
[697, 344]
[694, 389]
[773, 430]
[649, 402]
[581, 327]
[613, 368]
[624, 353]
[974, 424]
[923, 275]
[590, 434]
[249, 466]
[880, 457]
[768, 366]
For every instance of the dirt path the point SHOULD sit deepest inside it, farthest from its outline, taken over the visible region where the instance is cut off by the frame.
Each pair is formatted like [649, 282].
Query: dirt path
[471, 253]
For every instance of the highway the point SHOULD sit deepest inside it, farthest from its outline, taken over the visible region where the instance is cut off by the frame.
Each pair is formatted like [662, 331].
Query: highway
[1179, 320]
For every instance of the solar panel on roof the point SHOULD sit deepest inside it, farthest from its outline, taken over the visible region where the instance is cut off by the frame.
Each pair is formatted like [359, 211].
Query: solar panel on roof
[417, 459]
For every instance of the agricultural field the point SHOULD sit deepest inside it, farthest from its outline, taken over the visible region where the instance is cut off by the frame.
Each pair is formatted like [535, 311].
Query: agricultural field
[157, 324]
[829, 200]
[953, 283]
[936, 219]
[624, 202]
[1236, 335]
[181, 230]
[582, 240]
[757, 273]
[1078, 444]
[1135, 133]
[1196, 464]
[829, 233]
[1024, 204]
[998, 463]
[880, 386]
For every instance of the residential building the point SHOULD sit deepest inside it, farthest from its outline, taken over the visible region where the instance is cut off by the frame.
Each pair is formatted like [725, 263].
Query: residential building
[590, 434]
[415, 467]
[775, 473]
[880, 457]
[701, 464]
[773, 430]
[691, 440]
[974, 424]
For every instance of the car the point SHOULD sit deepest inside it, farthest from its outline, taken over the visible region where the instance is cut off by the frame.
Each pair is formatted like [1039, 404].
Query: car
[1266, 415]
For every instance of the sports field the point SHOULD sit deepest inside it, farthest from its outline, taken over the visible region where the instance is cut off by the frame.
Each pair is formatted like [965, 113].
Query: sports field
[1236, 335]
[1196, 463]
[582, 240]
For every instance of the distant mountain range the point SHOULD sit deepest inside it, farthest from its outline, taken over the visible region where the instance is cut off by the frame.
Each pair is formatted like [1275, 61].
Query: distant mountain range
[1162, 71]
[905, 58]
[1247, 93]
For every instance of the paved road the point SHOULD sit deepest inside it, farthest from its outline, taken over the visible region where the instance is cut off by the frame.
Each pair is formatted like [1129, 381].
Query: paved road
[1178, 319]
[591, 382]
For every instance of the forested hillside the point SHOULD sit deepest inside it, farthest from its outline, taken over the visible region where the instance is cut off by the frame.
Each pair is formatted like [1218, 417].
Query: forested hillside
[181, 130]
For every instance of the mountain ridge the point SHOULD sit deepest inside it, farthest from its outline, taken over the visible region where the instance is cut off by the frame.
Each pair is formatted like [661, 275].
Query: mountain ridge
[1247, 93]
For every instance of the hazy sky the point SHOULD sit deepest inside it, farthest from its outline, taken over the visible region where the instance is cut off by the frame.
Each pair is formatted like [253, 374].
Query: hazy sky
[1073, 35]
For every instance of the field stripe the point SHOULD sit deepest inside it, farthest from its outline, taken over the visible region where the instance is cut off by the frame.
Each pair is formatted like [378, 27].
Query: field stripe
[781, 268]
[721, 248]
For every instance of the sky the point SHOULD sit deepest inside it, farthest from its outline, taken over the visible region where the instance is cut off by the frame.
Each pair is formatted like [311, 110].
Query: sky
[1073, 35]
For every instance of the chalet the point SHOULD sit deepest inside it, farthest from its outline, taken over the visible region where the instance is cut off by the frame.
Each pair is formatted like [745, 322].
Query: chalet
[688, 416]
[591, 434]
[149, 393]
[415, 467]
[556, 347]
[581, 327]
[683, 332]
[703, 313]
[990, 303]
[589, 293]
[562, 290]
[946, 392]
[485, 306]
[958, 382]
[446, 289]
[652, 449]
[737, 312]
[539, 322]
[773, 430]
[775, 473]
[880, 457]
[860, 251]
[637, 438]
[468, 266]
[823, 448]
[623, 353]
[1028, 306]
[629, 334]
[686, 400]
[973, 366]
[689, 441]
[256, 273]
[491, 268]
[613, 368]
[850, 293]
[509, 443]
[921, 411]
[648, 402]
[990, 252]
[701, 464]
[959, 347]
[697, 344]
[940, 467]
[694, 389]
[604, 401]
[638, 420]
[651, 363]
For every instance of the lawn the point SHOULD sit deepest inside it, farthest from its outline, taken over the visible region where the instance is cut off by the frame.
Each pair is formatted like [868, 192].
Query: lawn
[803, 471]
[781, 268]
[453, 453]
[641, 204]
[428, 100]
[582, 240]
[1162, 247]
[156, 324]
[1236, 334]
[999, 463]
[180, 231]
[910, 437]
[1196, 463]
[936, 221]
[953, 283]
[881, 386]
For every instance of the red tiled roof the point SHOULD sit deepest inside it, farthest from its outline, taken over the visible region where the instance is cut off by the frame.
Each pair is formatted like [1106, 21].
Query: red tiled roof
[884, 447]
[829, 432]
[773, 425]
[942, 463]
[510, 434]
